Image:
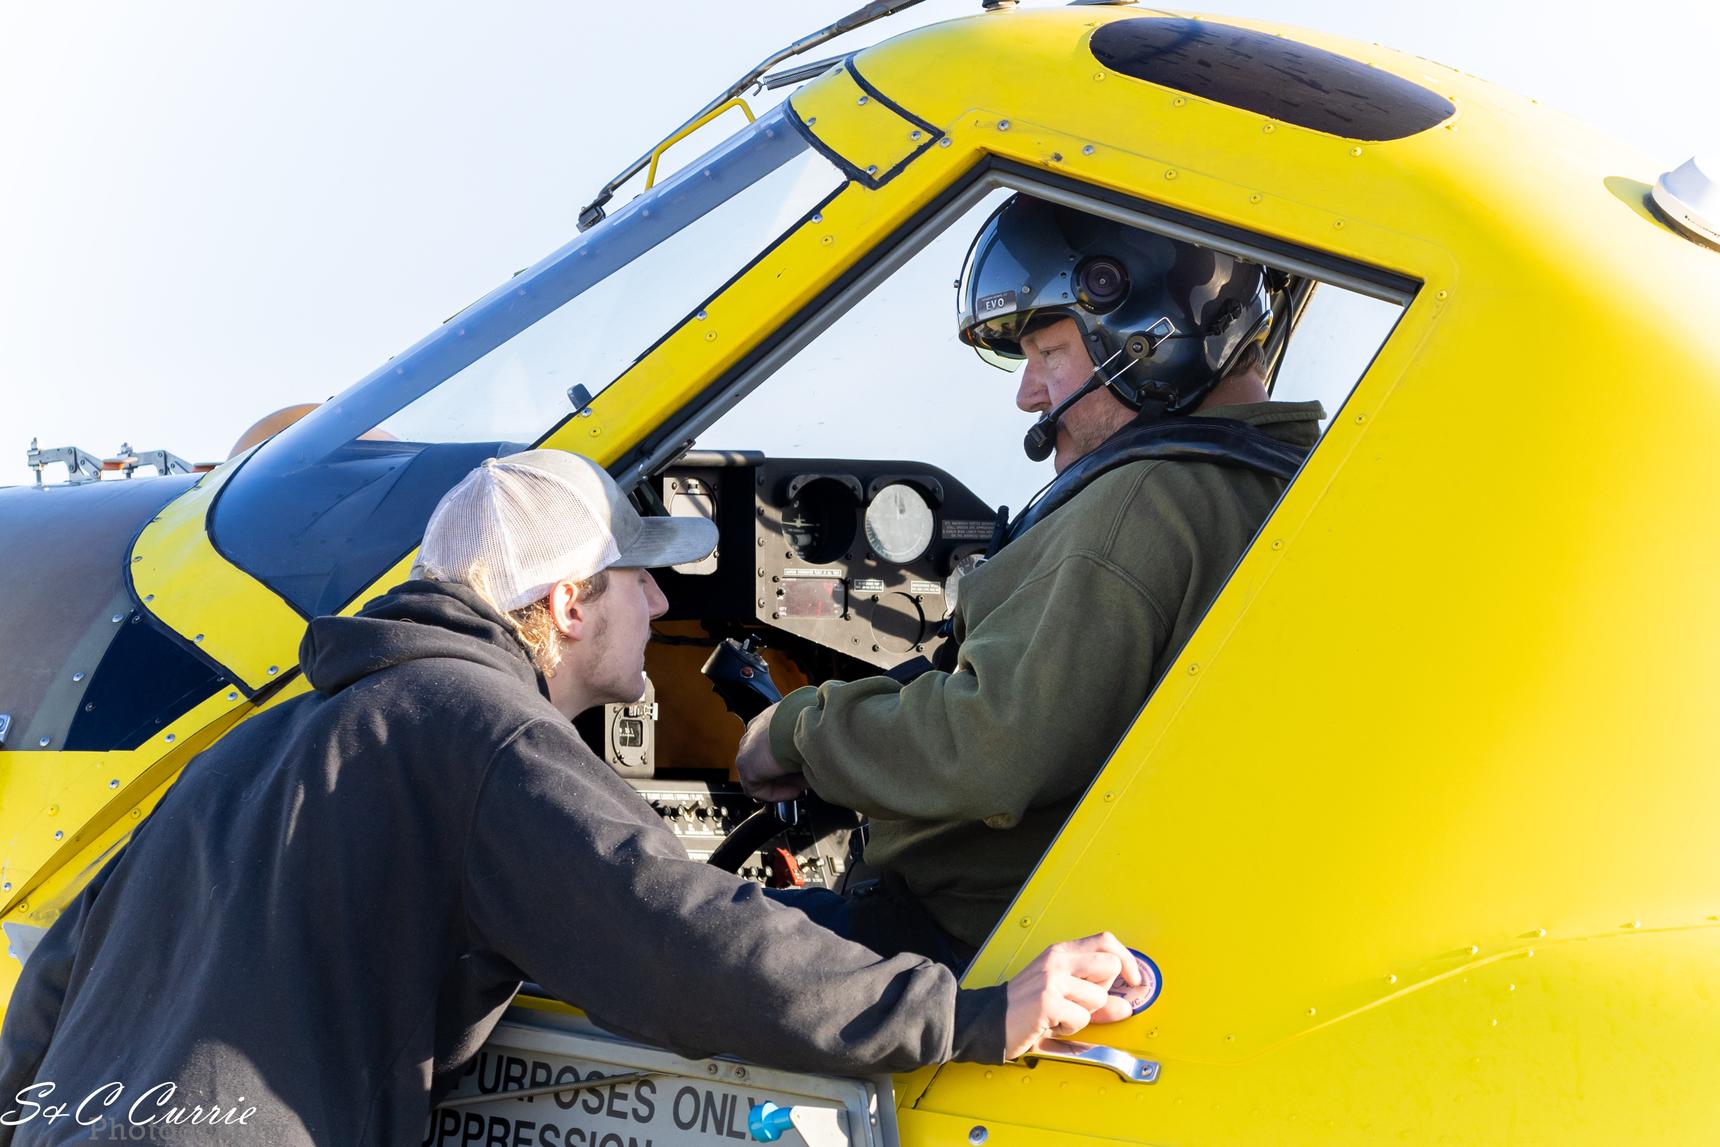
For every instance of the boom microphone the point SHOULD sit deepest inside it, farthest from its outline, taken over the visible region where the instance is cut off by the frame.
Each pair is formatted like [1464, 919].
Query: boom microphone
[1041, 437]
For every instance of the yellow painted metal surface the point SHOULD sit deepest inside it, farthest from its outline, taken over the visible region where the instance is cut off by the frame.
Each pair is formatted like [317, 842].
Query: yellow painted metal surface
[181, 579]
[1454, 697]
[66, 814]
[1591, 1040]
[61, 805]
[872, 138]
[1416, 826]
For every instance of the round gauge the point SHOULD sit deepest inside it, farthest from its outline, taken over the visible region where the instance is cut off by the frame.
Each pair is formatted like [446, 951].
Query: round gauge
[898, 523]
[819, 520]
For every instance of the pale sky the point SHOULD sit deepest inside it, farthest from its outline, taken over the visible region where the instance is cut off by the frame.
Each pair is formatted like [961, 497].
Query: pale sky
[213, 210]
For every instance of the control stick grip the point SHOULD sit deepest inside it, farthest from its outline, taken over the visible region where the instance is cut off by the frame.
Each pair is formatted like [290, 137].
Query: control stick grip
[741, 678]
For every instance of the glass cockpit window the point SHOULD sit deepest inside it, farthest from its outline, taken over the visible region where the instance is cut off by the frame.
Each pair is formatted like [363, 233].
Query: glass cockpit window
[1337, 333]
[333, 501]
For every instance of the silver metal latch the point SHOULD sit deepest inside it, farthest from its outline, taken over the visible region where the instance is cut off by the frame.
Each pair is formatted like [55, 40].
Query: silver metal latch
[83, 467]
[1128, 1068]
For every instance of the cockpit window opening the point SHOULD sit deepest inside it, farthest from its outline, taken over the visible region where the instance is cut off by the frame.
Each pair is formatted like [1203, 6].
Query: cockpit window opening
[857, 462]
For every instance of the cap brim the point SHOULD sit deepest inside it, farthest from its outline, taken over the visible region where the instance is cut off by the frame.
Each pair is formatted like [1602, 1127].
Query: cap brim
[669, 542]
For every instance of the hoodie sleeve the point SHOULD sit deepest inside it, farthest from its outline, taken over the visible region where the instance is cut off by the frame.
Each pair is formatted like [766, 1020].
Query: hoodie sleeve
[1039, 698]
[572, 878]
[34, 1010]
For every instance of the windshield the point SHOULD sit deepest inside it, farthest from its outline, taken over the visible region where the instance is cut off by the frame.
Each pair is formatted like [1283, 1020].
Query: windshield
[330, 503]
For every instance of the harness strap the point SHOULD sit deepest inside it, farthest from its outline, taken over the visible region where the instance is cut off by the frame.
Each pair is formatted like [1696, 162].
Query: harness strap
[1225, 441]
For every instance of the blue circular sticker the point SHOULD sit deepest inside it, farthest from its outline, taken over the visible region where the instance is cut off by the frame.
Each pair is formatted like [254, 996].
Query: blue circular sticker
[1141, 997]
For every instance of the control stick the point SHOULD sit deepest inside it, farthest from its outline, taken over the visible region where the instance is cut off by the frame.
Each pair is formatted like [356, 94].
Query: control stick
[739, 674]
[741, 678]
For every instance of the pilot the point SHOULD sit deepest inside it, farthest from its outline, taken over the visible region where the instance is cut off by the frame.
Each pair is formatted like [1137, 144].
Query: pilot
[326, 915]
[1143, 357]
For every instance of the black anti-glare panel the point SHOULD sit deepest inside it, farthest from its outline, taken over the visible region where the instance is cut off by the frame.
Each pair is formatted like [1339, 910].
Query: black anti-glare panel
[146, 680]
[1295, 83]
[326, 531]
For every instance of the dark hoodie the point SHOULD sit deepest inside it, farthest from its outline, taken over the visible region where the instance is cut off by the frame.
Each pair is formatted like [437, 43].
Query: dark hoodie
[327, 914]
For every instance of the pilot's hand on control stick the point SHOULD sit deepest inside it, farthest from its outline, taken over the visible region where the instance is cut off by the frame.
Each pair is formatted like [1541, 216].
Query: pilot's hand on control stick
[1066, 988]
[761, 775]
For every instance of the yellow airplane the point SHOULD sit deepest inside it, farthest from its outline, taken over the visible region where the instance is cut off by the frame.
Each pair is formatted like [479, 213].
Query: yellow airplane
[1418, 828]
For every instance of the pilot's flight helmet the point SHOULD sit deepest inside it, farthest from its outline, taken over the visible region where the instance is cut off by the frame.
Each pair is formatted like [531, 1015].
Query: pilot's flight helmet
[1164, 319]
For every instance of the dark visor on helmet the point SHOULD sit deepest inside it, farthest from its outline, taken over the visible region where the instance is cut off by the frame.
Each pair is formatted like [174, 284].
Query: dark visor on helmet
[998, 340]
[1000, 337]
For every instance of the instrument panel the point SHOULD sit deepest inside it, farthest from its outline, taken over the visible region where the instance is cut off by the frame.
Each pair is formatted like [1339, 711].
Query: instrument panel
[857, 557]
[843, 568]
[703, 813]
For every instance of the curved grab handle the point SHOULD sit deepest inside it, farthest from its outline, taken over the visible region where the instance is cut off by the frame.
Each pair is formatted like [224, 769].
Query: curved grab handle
[1127, 1067]
[688, 129]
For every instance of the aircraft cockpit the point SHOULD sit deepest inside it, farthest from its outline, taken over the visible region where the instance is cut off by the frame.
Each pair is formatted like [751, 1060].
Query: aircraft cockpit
[1370, 820]
[857, 466]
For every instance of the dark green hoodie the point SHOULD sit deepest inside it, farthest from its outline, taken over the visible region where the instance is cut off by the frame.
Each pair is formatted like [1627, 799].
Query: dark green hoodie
[328, 912]
[967, 776]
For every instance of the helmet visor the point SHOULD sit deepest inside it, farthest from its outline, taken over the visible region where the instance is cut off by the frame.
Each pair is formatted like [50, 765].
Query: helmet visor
[993, 296]
[1002, 361]
[998, 341]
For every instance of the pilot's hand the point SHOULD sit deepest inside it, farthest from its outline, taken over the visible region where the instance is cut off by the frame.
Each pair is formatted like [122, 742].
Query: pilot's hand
[1066, 988]
[761, 775]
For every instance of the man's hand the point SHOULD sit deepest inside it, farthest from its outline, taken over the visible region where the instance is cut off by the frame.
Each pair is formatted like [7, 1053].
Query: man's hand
[1066, 988]
[761, 775]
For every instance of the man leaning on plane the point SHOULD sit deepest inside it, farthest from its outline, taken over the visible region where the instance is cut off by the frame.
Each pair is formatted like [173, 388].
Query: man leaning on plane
[326, 915]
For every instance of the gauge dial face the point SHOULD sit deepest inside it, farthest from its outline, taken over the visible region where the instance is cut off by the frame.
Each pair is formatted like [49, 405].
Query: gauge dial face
[898, 523]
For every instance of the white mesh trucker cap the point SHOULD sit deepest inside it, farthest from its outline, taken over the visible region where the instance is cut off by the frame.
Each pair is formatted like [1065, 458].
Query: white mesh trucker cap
[517, 525]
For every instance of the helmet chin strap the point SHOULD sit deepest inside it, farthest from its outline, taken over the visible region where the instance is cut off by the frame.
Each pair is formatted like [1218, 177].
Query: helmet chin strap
[1041, 437]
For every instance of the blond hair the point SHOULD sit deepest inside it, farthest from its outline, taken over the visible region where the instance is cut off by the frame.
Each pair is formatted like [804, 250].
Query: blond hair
[534, 623]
